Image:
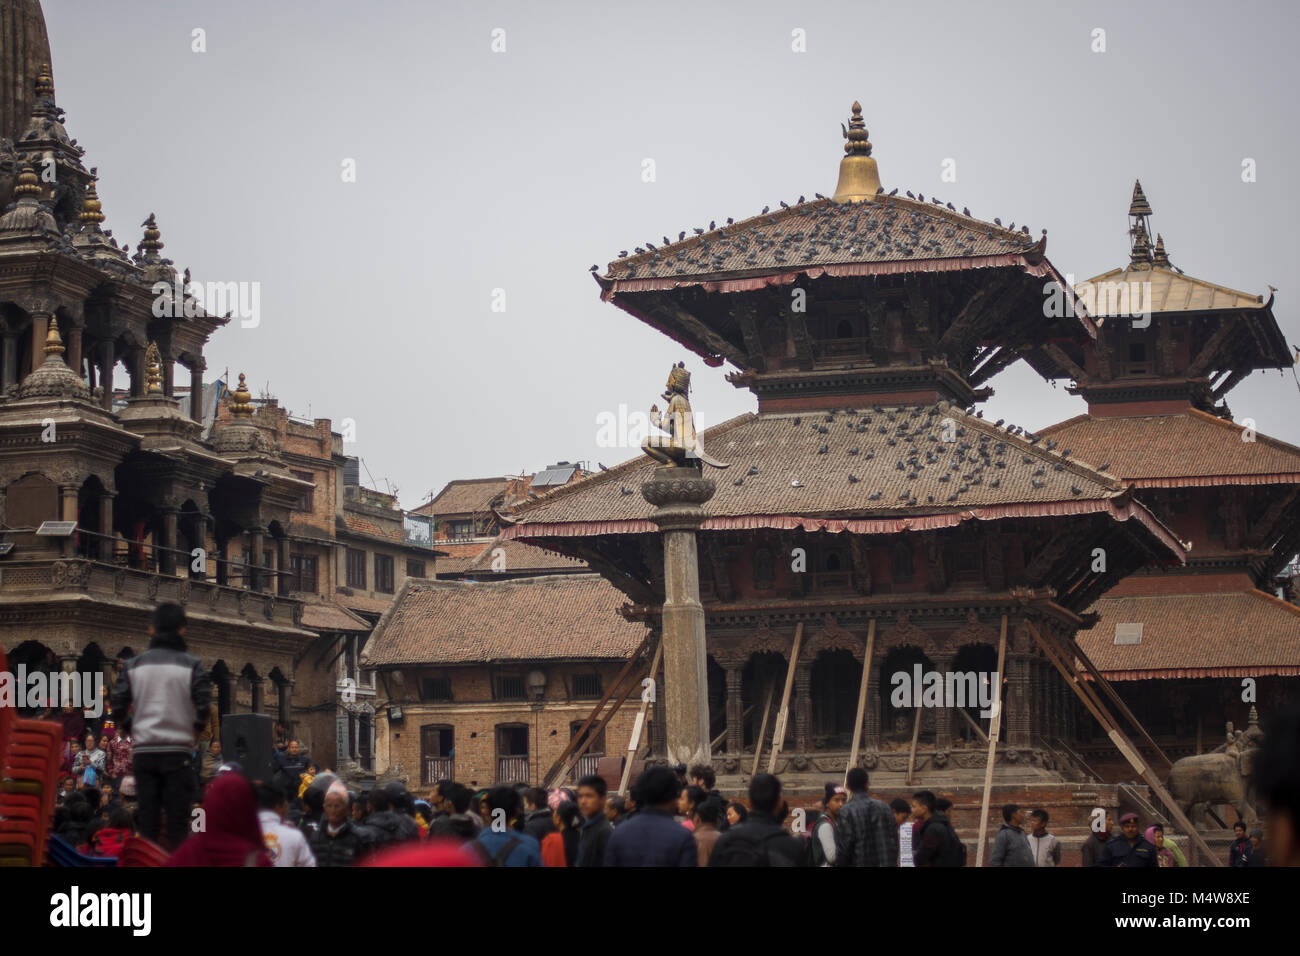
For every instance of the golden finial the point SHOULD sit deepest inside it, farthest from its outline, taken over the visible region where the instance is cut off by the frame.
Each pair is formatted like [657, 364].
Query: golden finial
[92, 210]
[1160, 258]
[44, 82]
[28, 184]
[242, 404]
[53, 343]
[151, 242]
[153, 370]
[1139, 206]
[859, 176]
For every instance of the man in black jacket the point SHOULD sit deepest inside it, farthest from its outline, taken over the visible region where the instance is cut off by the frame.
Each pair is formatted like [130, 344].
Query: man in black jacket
[162, 696]
[936, 841]
[595, 825]
[1130, 848]
[391, 822]
[761, 840]
[338, 842]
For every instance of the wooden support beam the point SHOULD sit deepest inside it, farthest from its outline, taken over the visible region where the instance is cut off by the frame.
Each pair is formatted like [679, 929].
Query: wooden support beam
[1057, 655]
[619, 680]
[1113, 696]
[979, 731]
[762, 729]
[746, 318]
[862, 699]
[911, 754]
[1057, 355]
[995, 731]
[1201, 364]
[694, 327]
[634, 742]
[782, 715]
[798, 325]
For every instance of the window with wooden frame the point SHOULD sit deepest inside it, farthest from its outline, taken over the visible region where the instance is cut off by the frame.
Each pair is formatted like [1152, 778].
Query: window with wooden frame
[384, 573]
[356, 568]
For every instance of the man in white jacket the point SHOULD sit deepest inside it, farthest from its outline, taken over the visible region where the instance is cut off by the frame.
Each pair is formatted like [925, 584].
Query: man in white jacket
[1045, 847]
[285, 845]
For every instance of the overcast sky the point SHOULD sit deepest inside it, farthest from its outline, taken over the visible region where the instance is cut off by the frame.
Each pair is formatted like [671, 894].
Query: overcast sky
[479, 170]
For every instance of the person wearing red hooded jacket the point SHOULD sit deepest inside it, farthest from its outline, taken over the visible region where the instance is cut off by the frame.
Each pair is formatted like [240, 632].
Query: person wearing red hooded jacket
[231, 834]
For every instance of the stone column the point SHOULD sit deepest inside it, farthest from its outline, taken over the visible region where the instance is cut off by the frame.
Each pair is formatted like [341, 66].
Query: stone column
[106, 526]
[68, 502]
[10, 367]
[167, 551]
[802, 708]
[943, 715]
[196, 389]
[282, 558]
[678, 495]
[735, 740]
[72, 339]
[253, 581]
[257, 686]
[40, 328]
[106, 362]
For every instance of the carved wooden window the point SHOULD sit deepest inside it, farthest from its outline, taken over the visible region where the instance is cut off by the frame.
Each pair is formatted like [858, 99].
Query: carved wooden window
[384, 573]
[356, 568]
[902, 570]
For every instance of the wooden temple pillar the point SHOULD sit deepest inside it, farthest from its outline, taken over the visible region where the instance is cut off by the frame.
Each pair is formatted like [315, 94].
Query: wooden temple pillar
[106, 525]
[871, 739]
[1018, 703]
[943, 715]
[802, 706]
[735, 740]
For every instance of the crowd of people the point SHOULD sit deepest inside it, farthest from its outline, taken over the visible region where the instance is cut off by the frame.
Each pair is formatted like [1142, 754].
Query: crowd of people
[153, 766]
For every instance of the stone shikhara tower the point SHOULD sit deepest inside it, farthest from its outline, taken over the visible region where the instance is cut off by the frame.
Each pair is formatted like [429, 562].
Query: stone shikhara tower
[863, 497]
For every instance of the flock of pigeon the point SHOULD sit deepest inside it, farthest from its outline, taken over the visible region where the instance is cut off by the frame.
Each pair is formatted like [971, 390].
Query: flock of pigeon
[824, 229]
[926, 439]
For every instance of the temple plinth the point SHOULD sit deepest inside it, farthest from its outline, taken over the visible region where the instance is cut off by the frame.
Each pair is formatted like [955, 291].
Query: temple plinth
[678, 494]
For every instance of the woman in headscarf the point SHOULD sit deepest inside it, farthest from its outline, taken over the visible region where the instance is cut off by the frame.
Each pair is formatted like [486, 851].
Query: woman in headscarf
[1167, 852]
[231, 834]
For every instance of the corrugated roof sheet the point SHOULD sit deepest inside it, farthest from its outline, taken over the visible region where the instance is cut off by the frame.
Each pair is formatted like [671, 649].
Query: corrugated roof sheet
[1164, 291]
[563, 617]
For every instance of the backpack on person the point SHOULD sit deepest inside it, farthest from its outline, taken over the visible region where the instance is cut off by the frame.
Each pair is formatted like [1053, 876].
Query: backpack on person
[817, 852]
[501, 855]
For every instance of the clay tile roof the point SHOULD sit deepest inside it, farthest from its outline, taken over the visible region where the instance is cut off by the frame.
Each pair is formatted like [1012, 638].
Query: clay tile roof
[465, 496]
[563, 617]
[1170, 291]
[983, 466]
[1187, 448]
[361, 525]
[824, 232]
[331, 617]
[520, 556]
[1252, 634]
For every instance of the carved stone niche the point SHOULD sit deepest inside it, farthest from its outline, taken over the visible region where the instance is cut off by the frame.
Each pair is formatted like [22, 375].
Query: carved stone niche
[832, 637]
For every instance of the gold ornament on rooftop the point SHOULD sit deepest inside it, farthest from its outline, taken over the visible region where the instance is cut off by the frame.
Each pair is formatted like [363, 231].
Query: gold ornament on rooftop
[151, 243]
[28, 183]
[859, 175]
[92, 210]
[241, 404]
[153, 370]
[44, 82]
[53, 342]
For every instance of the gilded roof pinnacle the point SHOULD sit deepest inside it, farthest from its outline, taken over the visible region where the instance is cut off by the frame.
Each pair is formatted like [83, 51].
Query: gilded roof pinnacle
[859, 176]
[241, 405]
[28, 184]
[153, 370]
[1160, 258]
[53, 343]
[92, 210]
[44, 82]
[152, 241]
[1139, 206]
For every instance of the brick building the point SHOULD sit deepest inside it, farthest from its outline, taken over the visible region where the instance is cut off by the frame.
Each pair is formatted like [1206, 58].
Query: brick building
[488, 681]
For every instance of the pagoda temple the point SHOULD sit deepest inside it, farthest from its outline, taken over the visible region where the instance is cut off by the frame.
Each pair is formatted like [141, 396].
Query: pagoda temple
[869, 516]
[1181, 640]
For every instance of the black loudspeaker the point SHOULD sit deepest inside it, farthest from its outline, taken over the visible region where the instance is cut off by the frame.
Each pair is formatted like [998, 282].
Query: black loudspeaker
[248, 740]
